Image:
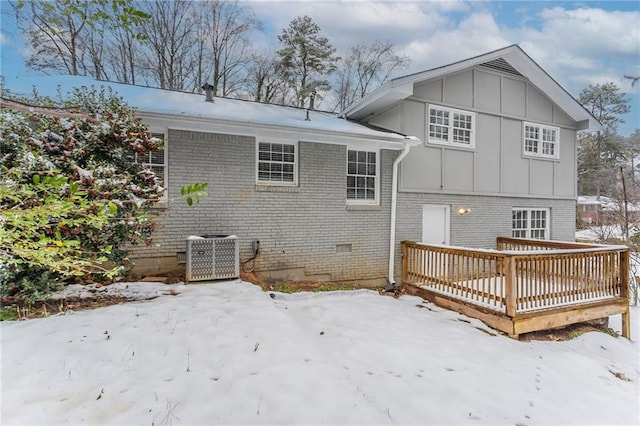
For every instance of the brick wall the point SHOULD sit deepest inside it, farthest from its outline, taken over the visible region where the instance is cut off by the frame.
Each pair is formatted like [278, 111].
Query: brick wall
[305, 232]
[490, 217]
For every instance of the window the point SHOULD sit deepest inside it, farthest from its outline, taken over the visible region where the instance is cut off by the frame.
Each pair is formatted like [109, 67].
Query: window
[541, 141]
[155, 160]
[277, 163]
[530, 223]
[451, 127]
[362, 173]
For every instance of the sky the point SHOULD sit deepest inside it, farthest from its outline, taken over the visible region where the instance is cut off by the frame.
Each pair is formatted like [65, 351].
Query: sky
[579, 43]
[228, 353]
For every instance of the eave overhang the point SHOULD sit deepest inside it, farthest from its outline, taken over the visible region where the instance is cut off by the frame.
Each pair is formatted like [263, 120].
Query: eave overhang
[402, 87]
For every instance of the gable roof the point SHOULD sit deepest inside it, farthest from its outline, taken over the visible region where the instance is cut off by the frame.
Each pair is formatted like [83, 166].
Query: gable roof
[512, 60]
[187, 106]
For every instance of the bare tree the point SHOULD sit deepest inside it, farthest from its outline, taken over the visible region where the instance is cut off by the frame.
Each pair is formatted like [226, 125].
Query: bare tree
[53, 33]
[264, 81]
[122, 55]
[167, 60]
[364, 68]
[189, 44]
[68, 36]
[222, 40]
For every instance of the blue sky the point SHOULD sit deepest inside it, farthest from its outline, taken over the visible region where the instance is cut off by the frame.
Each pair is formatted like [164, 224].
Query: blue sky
[578, 43]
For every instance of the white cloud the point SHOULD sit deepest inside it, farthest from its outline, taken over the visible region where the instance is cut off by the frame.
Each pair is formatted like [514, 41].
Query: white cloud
[596, 29]
[475, 35]
[577, 47]
[585, 46]
[573, 45]
[428, 32]
[585, 80]
[349, 23]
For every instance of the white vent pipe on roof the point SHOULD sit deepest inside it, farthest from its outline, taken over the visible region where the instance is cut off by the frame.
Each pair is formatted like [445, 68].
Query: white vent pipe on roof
[312, 98]
[208, 91]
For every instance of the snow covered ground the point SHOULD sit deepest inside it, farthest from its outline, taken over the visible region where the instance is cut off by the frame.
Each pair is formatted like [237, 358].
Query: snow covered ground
[229, 353]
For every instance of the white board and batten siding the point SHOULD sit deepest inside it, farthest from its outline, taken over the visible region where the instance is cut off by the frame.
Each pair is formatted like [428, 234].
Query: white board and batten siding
[497, 163]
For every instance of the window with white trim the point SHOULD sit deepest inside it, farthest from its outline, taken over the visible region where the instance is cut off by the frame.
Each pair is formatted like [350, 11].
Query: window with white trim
[277, 163]
[155, 160]
[530, 223]
[541, 140]
[362, 176]
[447, 126]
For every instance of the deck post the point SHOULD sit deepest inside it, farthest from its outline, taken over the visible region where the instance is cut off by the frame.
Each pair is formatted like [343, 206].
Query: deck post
[624, 292]
[405, 259]
[509, 271]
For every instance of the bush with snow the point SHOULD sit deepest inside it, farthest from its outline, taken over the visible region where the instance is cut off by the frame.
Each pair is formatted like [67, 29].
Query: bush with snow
[72, 195]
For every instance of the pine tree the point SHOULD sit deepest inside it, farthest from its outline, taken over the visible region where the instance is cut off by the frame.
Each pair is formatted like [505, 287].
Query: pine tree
[306, 57]
[599, 154]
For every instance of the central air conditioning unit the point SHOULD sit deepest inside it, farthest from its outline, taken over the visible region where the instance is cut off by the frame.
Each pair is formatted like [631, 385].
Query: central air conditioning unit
[212, 257]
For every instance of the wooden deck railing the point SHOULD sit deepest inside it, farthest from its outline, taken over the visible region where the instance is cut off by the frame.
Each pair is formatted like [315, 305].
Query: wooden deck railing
[507, 243]
[474, 275]
[561, 279]
[522, 275]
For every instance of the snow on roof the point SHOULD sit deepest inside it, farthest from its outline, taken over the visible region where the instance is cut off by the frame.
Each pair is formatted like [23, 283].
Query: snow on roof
[606, 203]
[174, 103]
[593, 199]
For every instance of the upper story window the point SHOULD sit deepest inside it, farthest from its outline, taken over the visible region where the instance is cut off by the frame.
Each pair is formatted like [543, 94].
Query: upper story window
[541, 140]
[277, 163]
[451, 126]
[362, 177]
[530, 223]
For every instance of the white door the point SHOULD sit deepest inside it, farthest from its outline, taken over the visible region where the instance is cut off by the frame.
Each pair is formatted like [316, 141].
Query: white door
[435, 230]
[435, 224]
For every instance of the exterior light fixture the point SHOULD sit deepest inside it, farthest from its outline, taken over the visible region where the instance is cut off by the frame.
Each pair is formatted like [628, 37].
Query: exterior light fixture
[463, 211]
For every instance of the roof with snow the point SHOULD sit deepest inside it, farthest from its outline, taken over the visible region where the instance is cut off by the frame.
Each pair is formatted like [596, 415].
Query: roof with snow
[593, 199]
[605, 203]
[227, 110]
[511, 59]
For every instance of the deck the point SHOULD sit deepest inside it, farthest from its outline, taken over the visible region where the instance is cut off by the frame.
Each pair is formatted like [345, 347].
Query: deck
[524, 285]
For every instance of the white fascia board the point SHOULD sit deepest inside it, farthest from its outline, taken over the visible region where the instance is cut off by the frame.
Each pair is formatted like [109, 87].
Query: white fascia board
[207, 125]
[402, 87]
[378, 100]
[512, 54]
[378, 93]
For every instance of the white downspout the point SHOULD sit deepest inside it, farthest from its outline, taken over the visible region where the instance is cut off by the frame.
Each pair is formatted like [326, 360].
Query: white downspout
[394, 205]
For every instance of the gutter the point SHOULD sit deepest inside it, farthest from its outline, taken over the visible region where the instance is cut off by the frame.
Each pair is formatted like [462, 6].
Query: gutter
[249, 128]
[409, 142]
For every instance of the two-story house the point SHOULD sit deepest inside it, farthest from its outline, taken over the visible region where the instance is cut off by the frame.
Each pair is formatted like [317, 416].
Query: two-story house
[498, 156]
[458, 155]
